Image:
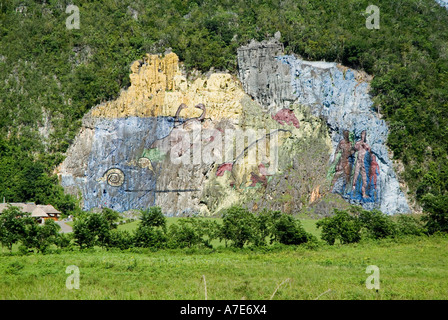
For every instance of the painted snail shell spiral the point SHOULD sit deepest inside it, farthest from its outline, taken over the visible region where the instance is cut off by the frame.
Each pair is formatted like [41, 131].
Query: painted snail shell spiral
[144, 162]
[114, 177]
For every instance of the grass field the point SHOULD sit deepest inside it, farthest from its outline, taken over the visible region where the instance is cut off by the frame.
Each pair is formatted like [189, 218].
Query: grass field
[410, 268]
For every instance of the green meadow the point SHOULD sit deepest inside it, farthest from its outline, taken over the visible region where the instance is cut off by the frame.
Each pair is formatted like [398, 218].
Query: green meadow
[410, 268]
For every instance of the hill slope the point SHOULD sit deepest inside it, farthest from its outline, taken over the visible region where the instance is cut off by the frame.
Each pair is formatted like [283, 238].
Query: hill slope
[52, 76]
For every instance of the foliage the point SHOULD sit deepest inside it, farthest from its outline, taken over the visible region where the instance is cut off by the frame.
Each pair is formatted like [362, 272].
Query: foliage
[191, 232]
[52, 76]
[356, 223]
[91, 229]
[149, 237]
[152, 230]
[111, 216]
[289, 231]
[12, 226]
[238, 226]
[153, 217]
[64, 240]
[241, 227]
[342, 226]
[40, 237]
[377, 225]
[408, 225]
[437, 213]
[120, 239]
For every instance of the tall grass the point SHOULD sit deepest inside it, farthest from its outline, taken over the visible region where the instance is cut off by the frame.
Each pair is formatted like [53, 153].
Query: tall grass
[410, 268]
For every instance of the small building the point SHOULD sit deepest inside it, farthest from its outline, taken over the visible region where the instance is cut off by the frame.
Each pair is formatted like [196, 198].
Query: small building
[38, 211]
[50, 211]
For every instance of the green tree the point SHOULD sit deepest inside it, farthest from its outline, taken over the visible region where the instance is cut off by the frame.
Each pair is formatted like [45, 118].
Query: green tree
[436, 208]
[377, 225]
[238, 226]
[111, 216]
[12, 226]
[289, 231]
[153, 217]
[152, 230]
[342, 226]
[91, 229]
[38, 236]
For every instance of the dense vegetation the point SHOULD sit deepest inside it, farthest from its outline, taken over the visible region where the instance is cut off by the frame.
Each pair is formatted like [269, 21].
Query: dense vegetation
[413, 265]
[239, 228]
[51, 75]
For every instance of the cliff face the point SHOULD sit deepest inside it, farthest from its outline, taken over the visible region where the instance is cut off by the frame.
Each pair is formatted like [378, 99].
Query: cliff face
[340, 96]
[112, 164]
[443, 3]
[134, 152]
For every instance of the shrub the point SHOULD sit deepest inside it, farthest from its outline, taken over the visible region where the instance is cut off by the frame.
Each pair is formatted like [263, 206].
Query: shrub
[120, 239]
[190, 232]
[377, 225]
[408, 225]
[289, 231]
[342, 226]
[111, 217]
[83, 236]
[436, 208]
[186, 233]
[153, 217]
[242, 227]
[238, 226]
[64, 240]
[12, 226]
[149, 237]
[39, 237]
[151, 231]
[264, 230]
[91, 229]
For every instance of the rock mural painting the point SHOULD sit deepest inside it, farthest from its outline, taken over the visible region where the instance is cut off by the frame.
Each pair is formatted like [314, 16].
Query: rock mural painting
[355, 170]
[340, 96]
[265, 140]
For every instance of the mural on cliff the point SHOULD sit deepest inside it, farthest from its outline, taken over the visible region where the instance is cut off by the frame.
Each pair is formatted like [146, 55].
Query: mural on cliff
[355, 169]
[281, 136]
[360, 168]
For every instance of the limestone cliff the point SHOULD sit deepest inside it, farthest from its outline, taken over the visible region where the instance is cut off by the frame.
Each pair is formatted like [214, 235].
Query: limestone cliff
[340, 96]
[267, 139]
[158, 88]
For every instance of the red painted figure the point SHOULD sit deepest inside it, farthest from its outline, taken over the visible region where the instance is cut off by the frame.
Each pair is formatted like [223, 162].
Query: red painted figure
[374, 167]
[362, 147]
[343, 167]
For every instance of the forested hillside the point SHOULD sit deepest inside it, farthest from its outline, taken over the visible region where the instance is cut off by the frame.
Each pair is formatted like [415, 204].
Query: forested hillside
[51, 76]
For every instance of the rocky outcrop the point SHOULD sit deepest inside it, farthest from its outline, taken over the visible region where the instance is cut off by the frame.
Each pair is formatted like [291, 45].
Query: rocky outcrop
[158, 88]
[286, 118]
[443, 3]
[112, 162]
[340, 96]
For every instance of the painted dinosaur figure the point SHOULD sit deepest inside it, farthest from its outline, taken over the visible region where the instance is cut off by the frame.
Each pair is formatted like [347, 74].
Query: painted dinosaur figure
[176, 116]
[163, 144]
